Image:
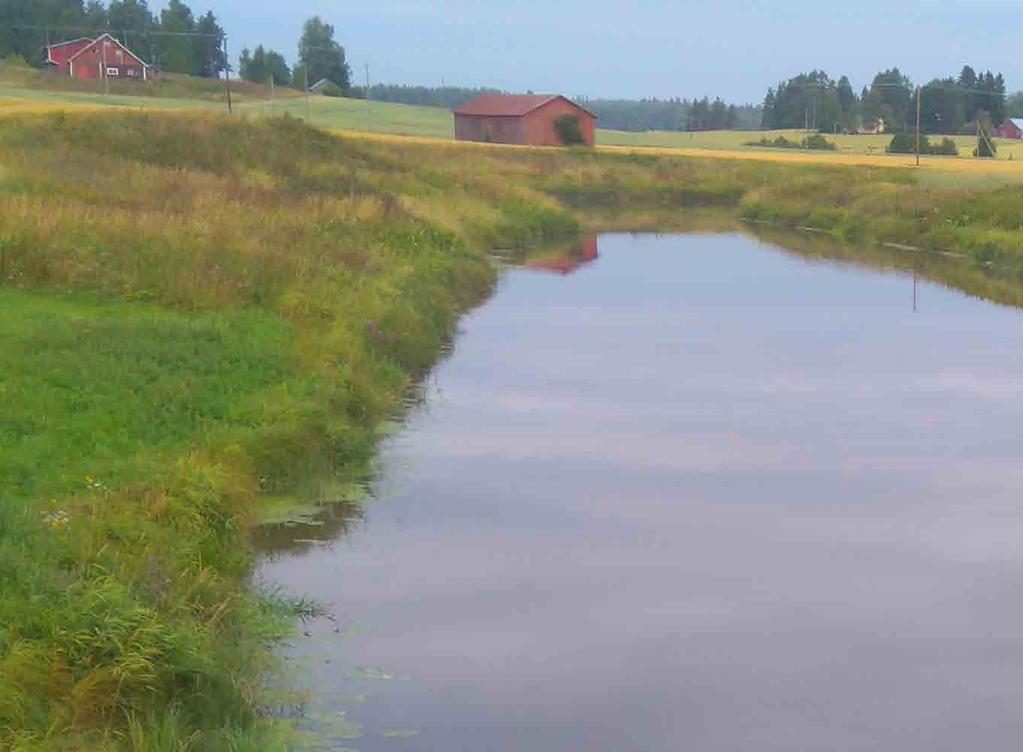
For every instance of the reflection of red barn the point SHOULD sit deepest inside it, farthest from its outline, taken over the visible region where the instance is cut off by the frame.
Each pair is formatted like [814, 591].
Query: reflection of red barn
[568, 261]
[91, 59]
[1011, 128]
[520, 119]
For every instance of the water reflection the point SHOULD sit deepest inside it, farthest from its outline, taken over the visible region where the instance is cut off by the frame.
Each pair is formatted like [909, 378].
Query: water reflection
[566, 259]
[710, 495]
[313, 525]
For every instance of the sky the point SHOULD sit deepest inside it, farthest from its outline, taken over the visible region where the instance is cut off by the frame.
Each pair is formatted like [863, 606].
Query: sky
[644, 48]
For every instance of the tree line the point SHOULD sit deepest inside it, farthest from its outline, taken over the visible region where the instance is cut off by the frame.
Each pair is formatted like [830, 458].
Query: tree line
[674, 114]
[320, 58]
[953, 104]
[174, 40]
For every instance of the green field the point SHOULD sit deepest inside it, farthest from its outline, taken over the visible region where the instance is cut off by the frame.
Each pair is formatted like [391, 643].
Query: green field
[336, 113]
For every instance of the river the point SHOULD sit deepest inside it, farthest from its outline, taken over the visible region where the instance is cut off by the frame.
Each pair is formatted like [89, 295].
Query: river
[689, 492]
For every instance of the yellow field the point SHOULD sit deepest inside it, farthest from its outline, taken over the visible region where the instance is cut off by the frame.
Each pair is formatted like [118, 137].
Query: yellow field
[738, 140]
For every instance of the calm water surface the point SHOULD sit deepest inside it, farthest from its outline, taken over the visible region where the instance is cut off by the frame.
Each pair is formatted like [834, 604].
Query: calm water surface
[696, 494]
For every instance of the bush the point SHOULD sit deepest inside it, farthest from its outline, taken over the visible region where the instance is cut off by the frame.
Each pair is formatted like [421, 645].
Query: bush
[946, 147]
[903, 143]
[816, 142]
[569, 131]
[332, 90]
[986, 148]
[819, 143]
[15, 61]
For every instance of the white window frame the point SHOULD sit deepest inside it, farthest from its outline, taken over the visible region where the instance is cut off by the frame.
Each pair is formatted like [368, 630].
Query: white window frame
[113, 72]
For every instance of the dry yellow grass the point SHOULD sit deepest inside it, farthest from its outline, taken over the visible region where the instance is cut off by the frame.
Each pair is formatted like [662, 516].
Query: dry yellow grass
[29, 106]
[935, 169]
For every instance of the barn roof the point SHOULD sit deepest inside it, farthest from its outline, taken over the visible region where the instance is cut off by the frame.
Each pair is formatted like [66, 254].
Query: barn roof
[510, 105]
[1018, 122]
[70, 41]
[91, 43]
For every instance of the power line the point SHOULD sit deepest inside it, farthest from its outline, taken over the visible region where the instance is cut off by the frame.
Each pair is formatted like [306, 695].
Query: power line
[110, 29]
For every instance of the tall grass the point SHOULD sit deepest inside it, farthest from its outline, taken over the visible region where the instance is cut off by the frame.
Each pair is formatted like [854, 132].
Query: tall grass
[197, 312]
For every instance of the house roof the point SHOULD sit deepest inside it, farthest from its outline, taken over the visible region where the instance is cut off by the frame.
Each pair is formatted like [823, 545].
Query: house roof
[510, 105]
[70, 41]
[1018, 122]
[94, 41]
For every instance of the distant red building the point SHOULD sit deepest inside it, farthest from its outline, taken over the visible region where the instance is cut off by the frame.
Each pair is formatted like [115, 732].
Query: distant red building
[91, 59]
[529, 120]
[1011, 128]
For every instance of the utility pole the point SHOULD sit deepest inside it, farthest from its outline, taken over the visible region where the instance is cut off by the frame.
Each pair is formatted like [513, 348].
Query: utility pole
[305, 76]
[227, 74]
[918, 90]
[369, 103]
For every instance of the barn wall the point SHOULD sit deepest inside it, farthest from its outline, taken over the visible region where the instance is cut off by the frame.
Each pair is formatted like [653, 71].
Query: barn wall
[534, 129]
[89, 64]
[497, 130]
[1009, 130]
[540, 123]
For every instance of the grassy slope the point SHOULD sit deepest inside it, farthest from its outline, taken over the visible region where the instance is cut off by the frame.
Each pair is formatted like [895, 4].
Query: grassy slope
[182, 90]
[357, 115]
[200, 312]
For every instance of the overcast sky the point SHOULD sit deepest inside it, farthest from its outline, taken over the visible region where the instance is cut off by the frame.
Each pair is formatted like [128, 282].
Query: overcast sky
[689, 48]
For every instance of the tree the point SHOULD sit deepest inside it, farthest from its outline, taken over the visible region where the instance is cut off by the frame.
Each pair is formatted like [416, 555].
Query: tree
[95, 15]
[321, 56]
[208, 49]
[262, 66]
[807, 100]
[20, 22]
[132, 20]
[1014, 105]
[177, 53]
[890, 99]
[846, 95]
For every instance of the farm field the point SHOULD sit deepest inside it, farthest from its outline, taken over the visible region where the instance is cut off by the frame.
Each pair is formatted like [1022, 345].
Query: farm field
[336, 113]
[737, 140]
[25, 90]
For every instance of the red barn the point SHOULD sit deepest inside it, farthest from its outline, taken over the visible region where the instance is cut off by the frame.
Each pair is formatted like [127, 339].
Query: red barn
[103, 57]
[530, 120]
[1011, 128]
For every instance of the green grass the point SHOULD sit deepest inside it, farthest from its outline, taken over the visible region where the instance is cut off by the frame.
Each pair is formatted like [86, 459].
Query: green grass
[88, 387]
[18, 81]
[358, 115]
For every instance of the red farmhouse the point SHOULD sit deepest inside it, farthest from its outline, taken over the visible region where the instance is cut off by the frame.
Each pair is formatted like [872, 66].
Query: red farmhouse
[521, 119]
[103, 57]
[1011, 128]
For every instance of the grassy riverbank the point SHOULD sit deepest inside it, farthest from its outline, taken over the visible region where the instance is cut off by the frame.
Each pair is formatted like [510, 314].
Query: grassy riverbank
[198, 313]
